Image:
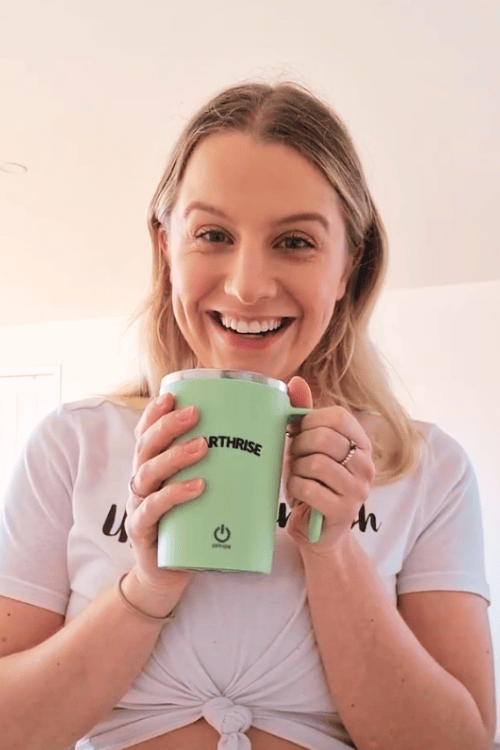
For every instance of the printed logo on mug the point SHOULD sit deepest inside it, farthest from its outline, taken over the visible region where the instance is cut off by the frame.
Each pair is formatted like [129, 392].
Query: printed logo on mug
[232, 525]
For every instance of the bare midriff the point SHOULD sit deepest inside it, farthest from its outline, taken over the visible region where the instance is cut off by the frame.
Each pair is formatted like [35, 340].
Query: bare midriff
[200, 735]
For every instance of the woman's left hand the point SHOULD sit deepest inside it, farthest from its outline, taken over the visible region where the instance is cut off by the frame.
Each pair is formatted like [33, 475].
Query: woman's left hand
[315, 477]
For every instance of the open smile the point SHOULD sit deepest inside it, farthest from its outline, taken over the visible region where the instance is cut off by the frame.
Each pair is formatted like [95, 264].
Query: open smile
[249, 341]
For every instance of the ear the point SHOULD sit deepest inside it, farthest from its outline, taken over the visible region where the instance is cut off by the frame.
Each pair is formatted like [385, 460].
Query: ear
[163, 246]
[163, 243]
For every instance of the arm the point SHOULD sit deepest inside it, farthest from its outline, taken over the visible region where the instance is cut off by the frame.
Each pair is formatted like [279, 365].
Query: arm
[390, 692]
[57, 683]
[53, 693]
[425, 685]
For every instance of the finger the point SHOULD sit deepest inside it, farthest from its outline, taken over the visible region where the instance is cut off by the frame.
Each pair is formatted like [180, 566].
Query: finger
[153, 473]
[346, 502]
[328, 442]
[294, 425]
[159, 435]
[339, 420]
[321, 440]
[304, 490]
[324, 472]
[142, 523]
[154, 409]
[132, 504]
[329, 446]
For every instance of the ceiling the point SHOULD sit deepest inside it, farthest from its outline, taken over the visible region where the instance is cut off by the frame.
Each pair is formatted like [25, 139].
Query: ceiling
[94, 95]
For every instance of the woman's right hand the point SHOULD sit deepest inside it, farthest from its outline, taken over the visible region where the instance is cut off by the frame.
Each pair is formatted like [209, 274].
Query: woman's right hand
[156, 460]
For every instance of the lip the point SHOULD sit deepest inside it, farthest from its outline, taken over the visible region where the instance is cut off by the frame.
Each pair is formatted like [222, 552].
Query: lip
[233, 339]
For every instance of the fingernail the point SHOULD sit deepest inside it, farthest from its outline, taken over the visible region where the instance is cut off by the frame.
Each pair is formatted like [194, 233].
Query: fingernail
[163, 399]
[194, 484]
[184, 415]
[195, 445]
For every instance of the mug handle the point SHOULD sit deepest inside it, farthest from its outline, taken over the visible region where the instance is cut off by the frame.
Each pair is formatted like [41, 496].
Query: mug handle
[316, 519]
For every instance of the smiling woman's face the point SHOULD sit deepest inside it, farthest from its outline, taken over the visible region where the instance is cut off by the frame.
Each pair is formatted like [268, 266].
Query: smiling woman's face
[241, 255]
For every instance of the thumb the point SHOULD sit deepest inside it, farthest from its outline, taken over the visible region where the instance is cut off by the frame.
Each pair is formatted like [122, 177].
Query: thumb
[299, 392]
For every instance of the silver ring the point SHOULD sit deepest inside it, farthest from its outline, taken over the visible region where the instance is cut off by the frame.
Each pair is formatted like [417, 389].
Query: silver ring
[132, 490]
[352, 448]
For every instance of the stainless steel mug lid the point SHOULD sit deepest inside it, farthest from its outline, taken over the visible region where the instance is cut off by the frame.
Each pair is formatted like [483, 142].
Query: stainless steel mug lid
[206, 372]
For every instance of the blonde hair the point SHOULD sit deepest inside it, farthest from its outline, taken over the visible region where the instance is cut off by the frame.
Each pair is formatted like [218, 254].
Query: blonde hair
[345, 367]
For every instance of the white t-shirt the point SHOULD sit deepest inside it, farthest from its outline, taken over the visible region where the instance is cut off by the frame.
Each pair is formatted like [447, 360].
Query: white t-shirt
[241, 650]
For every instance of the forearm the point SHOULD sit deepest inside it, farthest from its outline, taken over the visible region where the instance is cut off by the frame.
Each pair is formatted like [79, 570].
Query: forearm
[389, 692]
[54, 693]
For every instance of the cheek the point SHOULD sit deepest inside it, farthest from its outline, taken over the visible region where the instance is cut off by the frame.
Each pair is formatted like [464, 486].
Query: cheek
[183, 280]
[180, 297]
[324, 304]
[189, 287]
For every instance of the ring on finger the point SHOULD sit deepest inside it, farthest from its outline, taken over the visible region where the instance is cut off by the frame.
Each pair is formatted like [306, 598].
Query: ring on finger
[133, 491]
[350, 454]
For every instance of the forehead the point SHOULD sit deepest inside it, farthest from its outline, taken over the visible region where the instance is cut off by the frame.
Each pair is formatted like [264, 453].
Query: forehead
[235, 172]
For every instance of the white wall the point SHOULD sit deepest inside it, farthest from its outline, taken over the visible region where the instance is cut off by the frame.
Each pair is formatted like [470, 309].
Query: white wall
[443, 343]
[96, 355]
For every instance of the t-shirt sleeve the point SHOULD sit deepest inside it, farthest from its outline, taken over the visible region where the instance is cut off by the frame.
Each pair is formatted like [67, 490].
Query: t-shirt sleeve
[36, 516]
[448, 552]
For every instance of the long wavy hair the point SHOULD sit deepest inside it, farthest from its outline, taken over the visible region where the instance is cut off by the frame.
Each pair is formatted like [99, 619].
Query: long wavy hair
[344, 368]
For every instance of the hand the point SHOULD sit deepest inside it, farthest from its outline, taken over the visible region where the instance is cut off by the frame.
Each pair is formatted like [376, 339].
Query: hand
[315, 477]
[155, 462]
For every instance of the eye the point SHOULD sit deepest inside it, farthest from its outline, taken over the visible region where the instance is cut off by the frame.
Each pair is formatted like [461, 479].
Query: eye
[216, 232]
[297, 238]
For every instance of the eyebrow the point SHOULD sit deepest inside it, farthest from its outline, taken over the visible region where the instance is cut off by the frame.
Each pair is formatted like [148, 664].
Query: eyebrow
[279, 222]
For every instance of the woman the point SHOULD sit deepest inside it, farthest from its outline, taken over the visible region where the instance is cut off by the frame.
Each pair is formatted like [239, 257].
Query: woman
[376, 636]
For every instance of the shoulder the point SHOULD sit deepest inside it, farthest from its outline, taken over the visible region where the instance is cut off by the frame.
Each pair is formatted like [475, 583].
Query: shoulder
[441, 442]
[442, 455]
[101, 405]
[72, 422]
[102, 408]
[445, 476]
[439, 455]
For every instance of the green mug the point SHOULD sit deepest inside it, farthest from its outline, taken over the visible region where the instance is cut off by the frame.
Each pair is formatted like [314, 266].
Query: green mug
[232, 525]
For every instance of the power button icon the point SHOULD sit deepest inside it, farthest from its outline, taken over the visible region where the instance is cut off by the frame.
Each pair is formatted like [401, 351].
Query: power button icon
[222, 533]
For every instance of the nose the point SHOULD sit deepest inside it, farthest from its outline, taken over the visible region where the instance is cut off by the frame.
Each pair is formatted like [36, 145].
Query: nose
[249, 275]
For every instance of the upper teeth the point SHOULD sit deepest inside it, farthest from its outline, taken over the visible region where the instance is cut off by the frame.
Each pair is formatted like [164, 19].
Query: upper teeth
[254, 326]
